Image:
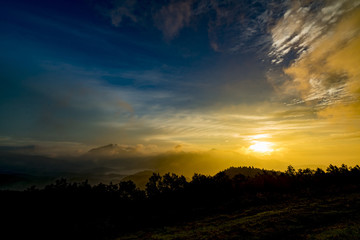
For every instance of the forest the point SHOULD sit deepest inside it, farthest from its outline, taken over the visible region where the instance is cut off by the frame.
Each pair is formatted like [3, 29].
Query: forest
[237, 203]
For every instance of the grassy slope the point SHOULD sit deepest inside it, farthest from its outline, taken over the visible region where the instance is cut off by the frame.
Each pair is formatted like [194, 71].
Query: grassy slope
[323, 218]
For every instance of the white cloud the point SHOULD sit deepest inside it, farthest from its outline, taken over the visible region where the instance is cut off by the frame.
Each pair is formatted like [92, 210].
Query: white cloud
[302, 26]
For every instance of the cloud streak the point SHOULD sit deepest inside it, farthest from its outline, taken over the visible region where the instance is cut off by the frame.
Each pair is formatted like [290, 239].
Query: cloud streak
[324, 73]
[302, 26]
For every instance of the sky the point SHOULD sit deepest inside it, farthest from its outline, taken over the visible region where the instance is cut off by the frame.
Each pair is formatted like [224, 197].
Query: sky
[191, 85]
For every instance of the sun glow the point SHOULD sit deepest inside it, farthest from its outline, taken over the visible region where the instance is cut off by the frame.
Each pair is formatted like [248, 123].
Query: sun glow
[261, 147]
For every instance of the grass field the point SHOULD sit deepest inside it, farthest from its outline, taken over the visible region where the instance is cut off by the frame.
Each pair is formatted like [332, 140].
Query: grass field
[335, 217]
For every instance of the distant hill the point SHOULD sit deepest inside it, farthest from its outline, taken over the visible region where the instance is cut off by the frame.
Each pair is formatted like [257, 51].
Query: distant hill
[246, 171]
[140, 178]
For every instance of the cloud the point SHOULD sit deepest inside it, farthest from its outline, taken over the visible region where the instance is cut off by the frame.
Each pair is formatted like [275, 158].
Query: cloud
[172, 18]
[122, 9]
[18, 149]
[233, 26]
[71, 106]
[113, 151]
[67, 106]
[302, 26]
[326, 72]
[238, 26]
[41, 147]
[178, 147]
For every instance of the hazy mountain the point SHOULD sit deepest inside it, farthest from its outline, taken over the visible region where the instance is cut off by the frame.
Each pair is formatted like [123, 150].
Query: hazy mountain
[114, 151]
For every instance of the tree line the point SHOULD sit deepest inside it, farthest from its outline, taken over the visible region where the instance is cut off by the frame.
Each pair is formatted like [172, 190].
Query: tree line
[102, 211]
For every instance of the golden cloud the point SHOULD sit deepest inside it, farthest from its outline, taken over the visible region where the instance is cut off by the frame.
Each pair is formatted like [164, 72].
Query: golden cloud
[328, 76]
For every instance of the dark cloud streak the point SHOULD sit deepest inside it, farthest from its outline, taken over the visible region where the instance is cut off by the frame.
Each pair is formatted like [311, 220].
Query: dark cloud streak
[233, 26]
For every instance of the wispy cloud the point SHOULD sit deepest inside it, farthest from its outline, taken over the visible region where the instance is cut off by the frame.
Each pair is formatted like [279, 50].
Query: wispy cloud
[302, 26]
[233, 26]
[172, 18]
[326, 46]
[240, 27]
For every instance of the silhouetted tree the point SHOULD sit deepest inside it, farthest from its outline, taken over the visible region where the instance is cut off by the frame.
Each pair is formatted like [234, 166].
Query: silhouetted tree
[153, 185]
[290, 171]
[172, 183]
[129, 191]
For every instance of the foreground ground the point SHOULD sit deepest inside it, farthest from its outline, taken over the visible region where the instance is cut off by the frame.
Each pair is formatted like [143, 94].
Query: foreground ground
[330, 217]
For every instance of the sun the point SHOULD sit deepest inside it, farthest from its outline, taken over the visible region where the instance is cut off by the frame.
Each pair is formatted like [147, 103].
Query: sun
[261, 147]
